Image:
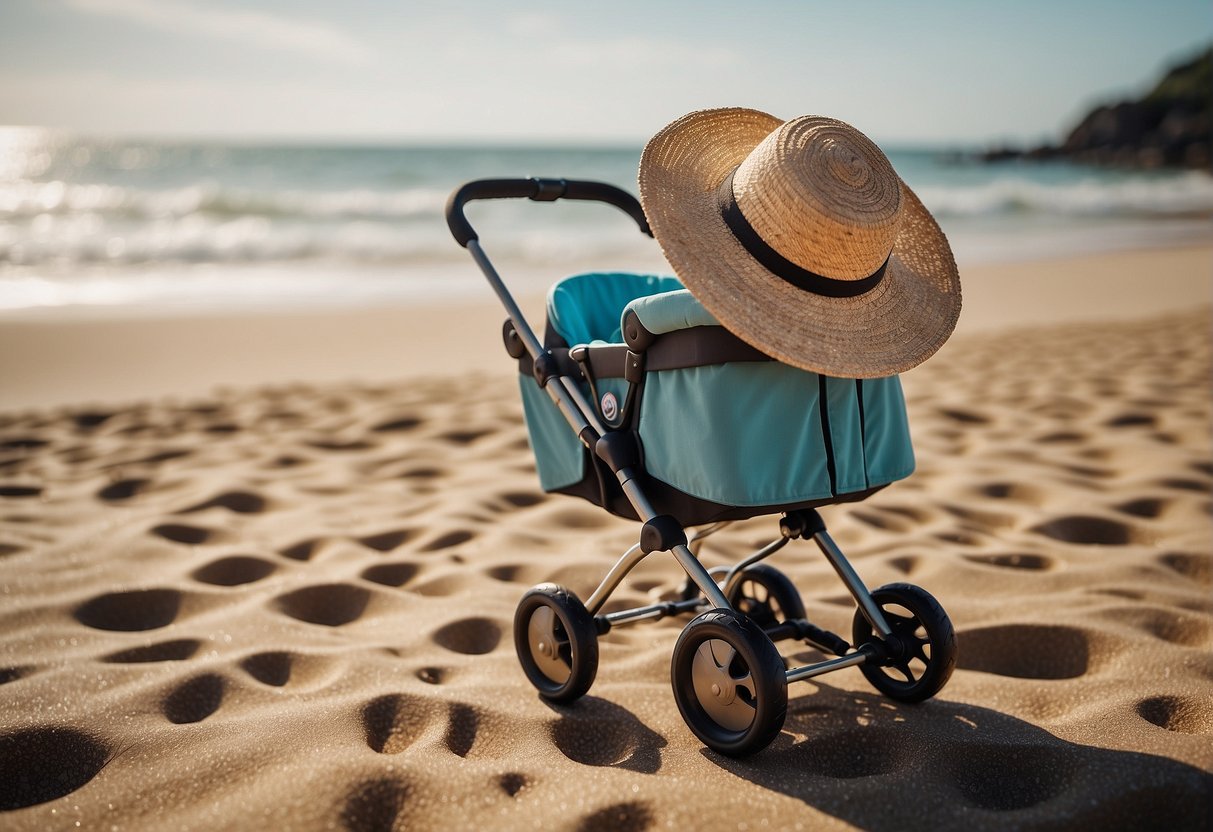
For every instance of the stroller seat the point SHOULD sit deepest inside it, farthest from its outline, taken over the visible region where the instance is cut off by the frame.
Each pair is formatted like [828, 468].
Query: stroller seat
[724, 431]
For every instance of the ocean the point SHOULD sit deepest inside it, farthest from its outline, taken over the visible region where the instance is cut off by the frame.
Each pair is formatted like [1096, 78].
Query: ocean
[96, 225]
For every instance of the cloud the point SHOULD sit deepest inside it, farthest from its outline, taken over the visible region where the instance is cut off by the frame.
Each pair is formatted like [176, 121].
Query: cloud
[311, 38]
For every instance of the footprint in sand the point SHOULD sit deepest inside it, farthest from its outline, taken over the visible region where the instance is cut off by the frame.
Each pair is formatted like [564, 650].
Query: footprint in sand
[334, 445]
[234, 571]
[241, 502]
[1087, 529]
[303, 550]
[464, 437]
[180, 533]
[471, 636]
[513, 782]
[462, 726]
[1183, 628]
[448, 540]
[1198, 568]
[506, 573]
[905, 564]
[166, 651]
[376, 804]
[17, 492]
[433, 675]
[632, 816]
[1026, 651]
[194, 700]
[300, 671]
[397, 425]
[89, 419]
[43, 764]
[272, 668]
[329, 605]
[1147, 507]
[162, 456]
[23, 443]
[392, 723]
[390, 574]
[1181, 714]
[122, 490]
[12, 674]
[423, 474]
[387, 541]
[141, 609]
[1014, 492]
[964, 417]
[1132, 419]
[523, 499]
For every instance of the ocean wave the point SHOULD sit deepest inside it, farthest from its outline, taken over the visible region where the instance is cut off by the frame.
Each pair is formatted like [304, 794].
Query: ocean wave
[25, 200]
[57, 224]
[64, 242]
[1097, 196]
[1170, 196]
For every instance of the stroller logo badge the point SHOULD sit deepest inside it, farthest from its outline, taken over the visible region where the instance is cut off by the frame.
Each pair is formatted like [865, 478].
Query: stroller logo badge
[610, 406]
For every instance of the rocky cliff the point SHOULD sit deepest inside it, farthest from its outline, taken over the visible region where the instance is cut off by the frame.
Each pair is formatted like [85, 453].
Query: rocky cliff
[1168, 127]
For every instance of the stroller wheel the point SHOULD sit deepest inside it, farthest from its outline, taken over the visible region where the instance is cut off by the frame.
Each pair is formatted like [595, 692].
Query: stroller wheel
[557, 642]
[767, 596]
[922, 652]
[729, 683]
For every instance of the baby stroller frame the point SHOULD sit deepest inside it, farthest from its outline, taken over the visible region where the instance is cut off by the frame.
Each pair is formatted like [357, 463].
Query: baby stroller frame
[730, 682]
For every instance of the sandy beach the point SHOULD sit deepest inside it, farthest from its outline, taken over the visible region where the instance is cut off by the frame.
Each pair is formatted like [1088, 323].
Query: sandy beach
[260, 572]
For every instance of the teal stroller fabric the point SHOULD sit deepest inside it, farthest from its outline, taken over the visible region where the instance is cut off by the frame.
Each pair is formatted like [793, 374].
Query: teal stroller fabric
[742, 433]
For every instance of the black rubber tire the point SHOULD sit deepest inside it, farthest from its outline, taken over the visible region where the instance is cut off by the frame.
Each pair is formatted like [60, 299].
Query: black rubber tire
[757, 656]
[928, 626]
[579, 649]
[779, 588]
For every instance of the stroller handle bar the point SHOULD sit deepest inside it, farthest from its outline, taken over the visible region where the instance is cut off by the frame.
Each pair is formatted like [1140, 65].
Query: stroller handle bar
[538, 190]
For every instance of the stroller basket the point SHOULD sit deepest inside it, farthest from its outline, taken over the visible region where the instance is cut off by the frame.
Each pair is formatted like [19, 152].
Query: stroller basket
[639, 401]
[724, 432]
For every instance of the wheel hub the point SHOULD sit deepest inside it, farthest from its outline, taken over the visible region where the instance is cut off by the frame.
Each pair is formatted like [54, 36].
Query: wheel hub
[545, 644]
[720, 692]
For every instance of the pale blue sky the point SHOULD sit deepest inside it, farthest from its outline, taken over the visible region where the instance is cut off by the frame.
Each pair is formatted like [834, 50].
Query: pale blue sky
[616, 71]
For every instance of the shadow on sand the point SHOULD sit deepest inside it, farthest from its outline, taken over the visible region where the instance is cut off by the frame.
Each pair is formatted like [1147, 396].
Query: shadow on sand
[944, 765]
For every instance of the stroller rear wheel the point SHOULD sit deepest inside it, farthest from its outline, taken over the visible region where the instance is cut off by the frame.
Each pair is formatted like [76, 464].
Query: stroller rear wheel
[767, 596]
[921, 653]
[557, 642]
[729, 683]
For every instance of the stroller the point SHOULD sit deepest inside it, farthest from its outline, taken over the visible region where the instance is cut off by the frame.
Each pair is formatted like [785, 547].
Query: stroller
[639, 401]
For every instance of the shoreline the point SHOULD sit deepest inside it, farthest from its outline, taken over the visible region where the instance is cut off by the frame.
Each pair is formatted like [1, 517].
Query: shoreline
[113, 358]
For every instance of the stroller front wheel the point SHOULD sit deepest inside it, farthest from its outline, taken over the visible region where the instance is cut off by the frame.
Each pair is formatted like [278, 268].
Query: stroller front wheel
[767, 596]
[556, 642]
[729, 683]
[920, 656]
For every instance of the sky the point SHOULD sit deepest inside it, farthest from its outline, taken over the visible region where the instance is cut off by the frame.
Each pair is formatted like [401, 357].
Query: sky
[963, 72]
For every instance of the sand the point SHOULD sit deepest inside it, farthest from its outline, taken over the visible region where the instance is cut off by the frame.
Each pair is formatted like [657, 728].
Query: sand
[289, 606]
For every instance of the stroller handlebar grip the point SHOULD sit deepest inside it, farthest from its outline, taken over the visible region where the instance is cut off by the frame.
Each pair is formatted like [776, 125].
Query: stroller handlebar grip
[539, 190]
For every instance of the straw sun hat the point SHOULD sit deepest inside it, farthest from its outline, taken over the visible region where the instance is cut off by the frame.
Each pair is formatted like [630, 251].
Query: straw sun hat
[800, 238]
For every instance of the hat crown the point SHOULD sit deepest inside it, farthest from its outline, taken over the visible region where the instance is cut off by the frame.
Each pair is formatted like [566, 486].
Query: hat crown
[823, 195]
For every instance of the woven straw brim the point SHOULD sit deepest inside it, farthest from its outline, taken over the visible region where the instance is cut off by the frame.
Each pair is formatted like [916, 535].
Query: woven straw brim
[894, 327]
